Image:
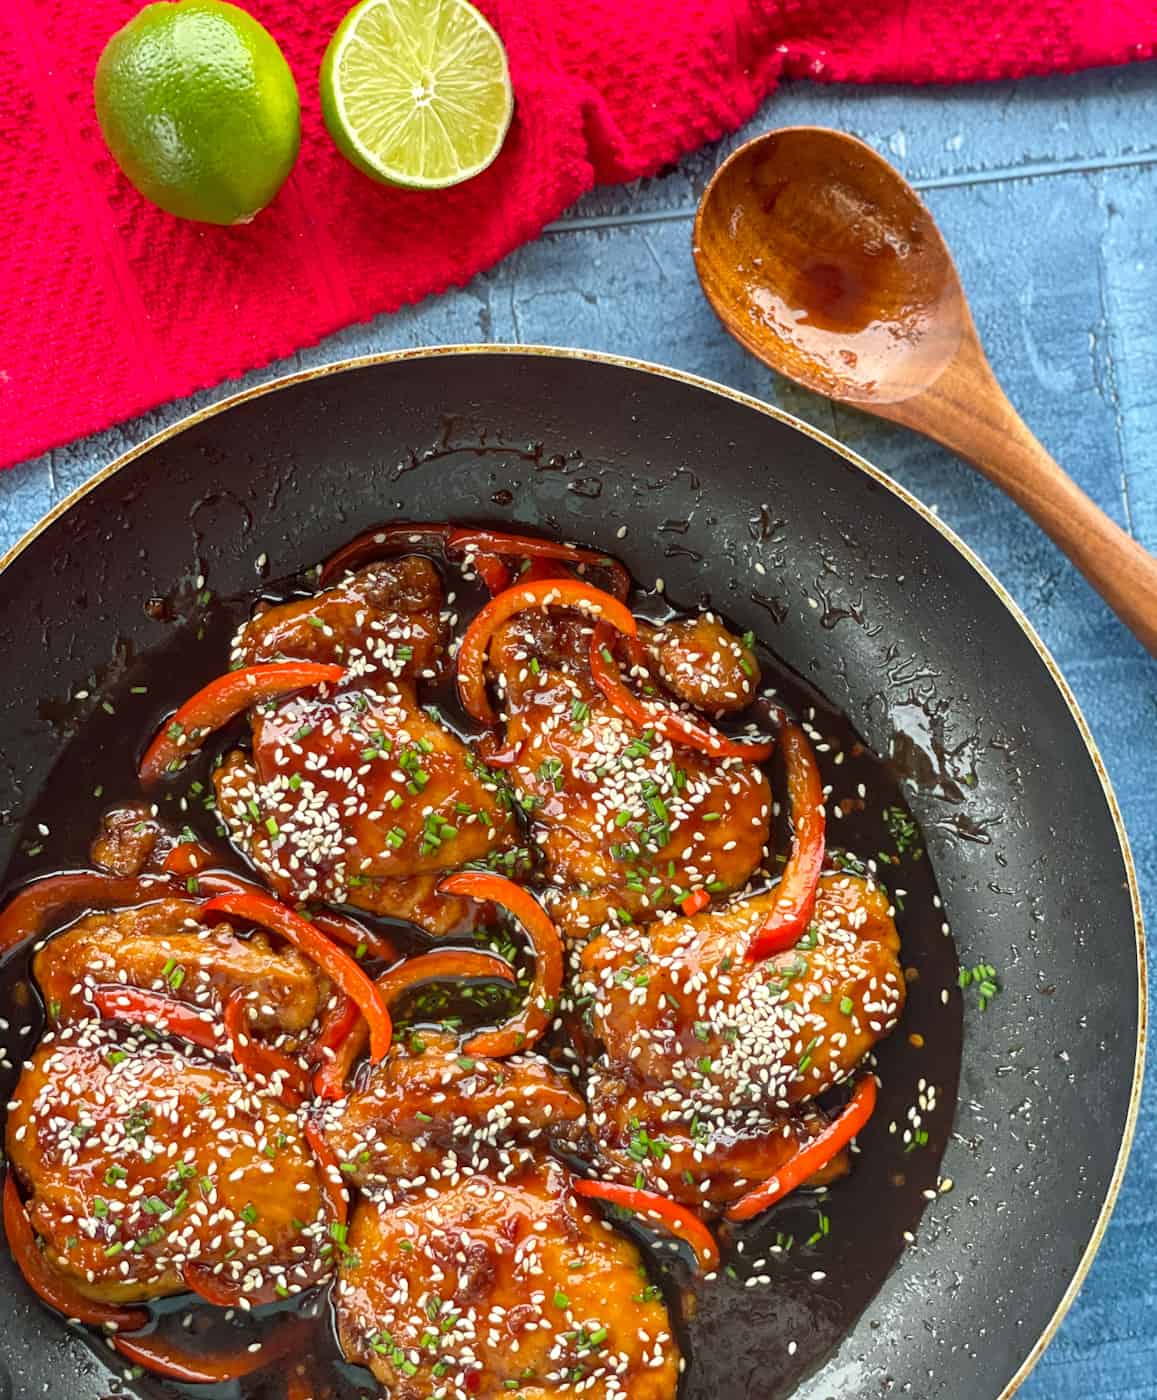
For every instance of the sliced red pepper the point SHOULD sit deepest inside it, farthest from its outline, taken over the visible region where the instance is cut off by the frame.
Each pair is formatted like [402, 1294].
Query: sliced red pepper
[810, 1159]
[330, 1171]
[493, 572]
[201, 1280]
[28, 913]
[527, 1026]
[48, 1283]
[531, 547]
[561, 593]
[187, 858]
[336, 1027]
[166, 1358]
[664, 719]
[679, 1219]
[695, 903]
[225, 882]
[383, 542]
[438, 965]
[543, 568]
[795, 895]
[262, 1062]
[222, 700]
[342, 929]
[441, 965]
[144, 1008]
[329, 1082]
[503, 758]
[338, 1019]
[337, 965]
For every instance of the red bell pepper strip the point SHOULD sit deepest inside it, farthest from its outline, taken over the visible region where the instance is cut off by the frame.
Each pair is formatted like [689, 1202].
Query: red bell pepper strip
[695, 903]
[562, 593]
[225, 882]
[337, 1025]
[796, 892]
[329, 1082]
[57, 1290]
[527, 1026]
[343, 929]
[679, 1219]
[222, 700]
[542, 568]
[144, 1008]
[29, 912]
[810, 1159]
[262, 1062]
[187, 858]
[439, 964]
[337, 1020]
[337, 965]
[664, 719]
[327, 1165]
[382, 542]
[215, 1290]
[531, 547]
[166, 1358]
[502, 758]
[493, 572]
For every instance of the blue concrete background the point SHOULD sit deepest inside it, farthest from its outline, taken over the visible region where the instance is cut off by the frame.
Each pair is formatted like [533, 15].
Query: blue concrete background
[1047, 193]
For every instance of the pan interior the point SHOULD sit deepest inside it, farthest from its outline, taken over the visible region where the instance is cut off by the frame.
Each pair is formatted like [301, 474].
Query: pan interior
[865, 601]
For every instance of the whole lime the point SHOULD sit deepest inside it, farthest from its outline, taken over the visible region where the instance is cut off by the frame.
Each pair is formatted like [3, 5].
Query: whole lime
[199, 109]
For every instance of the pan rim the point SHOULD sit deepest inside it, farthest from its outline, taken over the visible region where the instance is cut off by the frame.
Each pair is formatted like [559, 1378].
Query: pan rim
[881, 478]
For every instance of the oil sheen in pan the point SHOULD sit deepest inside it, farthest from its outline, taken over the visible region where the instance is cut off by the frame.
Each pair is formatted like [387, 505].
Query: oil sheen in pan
[791, 1283]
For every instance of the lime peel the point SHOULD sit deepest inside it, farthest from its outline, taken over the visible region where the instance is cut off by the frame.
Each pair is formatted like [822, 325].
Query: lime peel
[199, 108]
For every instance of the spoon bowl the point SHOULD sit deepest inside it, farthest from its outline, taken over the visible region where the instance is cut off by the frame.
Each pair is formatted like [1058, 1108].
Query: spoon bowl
[820, 259]
[828, 267]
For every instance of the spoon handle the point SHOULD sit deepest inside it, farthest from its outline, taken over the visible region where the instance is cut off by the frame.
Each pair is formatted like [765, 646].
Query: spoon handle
[968, 411]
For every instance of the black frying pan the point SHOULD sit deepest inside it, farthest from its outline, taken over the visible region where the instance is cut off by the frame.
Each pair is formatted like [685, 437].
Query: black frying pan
[866, 597]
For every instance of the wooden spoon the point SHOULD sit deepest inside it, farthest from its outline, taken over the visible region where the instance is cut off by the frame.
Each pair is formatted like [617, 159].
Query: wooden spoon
[819, 258]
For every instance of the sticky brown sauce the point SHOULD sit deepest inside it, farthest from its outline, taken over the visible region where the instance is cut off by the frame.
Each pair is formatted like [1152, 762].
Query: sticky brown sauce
[819, 1258]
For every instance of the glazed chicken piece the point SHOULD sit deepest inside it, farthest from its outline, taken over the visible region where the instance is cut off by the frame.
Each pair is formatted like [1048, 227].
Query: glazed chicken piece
[484, 1287]
[162, 947]
[703, 663]
[385, 620]
[703, 1164]
[150, 1171]
[134, 840]
[130, 840]
[355, 795]
[714, 1053]
[628, 823]
[427, 1107]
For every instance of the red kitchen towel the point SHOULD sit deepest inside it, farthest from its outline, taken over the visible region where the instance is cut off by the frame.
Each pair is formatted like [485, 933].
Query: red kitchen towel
[108, 306]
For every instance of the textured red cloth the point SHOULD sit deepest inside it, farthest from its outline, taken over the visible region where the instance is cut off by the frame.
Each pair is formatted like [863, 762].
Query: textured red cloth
[108, 306]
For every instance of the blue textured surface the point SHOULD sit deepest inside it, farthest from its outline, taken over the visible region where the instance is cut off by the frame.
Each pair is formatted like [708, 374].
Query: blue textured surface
[1047, 193]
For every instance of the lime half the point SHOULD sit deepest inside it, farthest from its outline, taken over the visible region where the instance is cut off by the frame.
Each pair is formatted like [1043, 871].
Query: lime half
[417, 92]
[199, 109]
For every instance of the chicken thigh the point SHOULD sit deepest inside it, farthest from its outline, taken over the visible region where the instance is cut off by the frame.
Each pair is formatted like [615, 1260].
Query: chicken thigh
[628, 823]
[355, 795]
[151, 1171]
[481, 1288]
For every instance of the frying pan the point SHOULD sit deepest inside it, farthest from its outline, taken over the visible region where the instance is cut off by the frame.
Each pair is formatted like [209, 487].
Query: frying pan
[865, 596]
